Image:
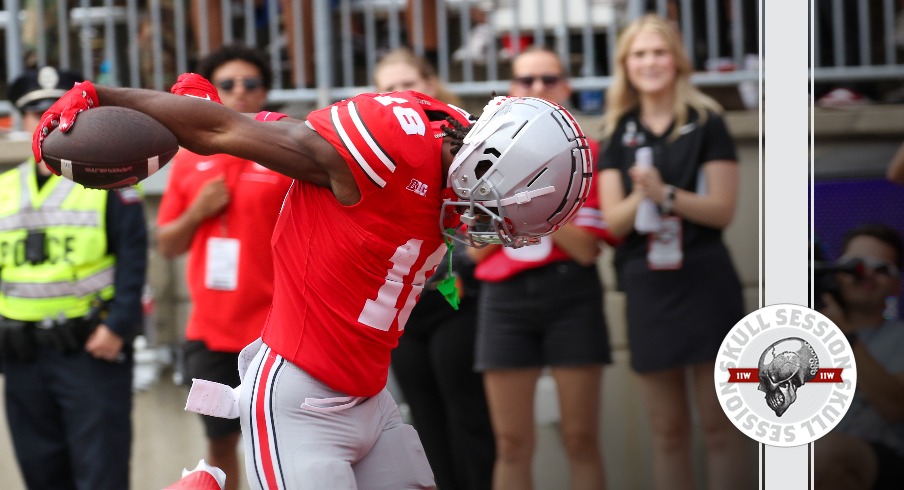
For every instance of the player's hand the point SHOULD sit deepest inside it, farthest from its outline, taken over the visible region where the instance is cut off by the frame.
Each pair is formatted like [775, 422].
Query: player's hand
[194, 85]
[649, 181]
[212, 199]
[62, 113]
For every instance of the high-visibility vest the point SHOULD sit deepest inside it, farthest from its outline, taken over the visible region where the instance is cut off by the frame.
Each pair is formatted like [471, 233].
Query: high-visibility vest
[78, 267]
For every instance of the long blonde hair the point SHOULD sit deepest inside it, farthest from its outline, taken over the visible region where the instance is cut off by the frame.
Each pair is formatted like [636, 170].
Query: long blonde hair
[622, 97]
[424, 69]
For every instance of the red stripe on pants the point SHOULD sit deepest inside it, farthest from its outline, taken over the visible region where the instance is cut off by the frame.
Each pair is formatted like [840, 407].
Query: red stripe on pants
[263, 435]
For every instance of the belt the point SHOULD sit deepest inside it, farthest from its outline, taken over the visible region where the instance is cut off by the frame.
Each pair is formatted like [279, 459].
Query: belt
[69, 323]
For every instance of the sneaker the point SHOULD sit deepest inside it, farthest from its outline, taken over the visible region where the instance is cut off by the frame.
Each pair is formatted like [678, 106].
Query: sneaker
[475, 47]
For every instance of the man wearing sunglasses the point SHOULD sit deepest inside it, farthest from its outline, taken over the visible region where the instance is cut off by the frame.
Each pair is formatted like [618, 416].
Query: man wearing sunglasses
[518, 333]
[222, 210]
[866, 449]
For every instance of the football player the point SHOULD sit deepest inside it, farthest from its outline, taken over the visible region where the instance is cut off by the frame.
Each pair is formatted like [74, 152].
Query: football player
[382, 182]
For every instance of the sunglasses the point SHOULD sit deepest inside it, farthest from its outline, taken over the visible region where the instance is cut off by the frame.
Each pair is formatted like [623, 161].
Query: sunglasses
[548, 80]
[250, 84]
[859, 265]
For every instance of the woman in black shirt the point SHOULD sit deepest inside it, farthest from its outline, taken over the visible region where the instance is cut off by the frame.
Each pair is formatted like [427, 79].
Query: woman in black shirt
[683, 294]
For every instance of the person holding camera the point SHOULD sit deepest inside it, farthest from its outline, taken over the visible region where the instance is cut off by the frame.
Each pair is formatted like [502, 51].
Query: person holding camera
[72, 269]
[866, 448]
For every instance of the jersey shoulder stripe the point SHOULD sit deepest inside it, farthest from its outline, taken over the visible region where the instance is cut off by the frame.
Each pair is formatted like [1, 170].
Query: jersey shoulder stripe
[353, 149]
[360, 131]
[365, 133]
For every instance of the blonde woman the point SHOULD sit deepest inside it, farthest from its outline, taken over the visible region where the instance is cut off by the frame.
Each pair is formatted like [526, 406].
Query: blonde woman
[402, 69]
[683, 293]
[434, 360]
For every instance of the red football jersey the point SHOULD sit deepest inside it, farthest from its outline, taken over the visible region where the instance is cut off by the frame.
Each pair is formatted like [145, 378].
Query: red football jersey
[347, 277]
[227, 320]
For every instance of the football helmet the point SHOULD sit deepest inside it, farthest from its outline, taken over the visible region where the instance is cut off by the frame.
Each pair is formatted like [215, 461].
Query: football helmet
[522, 172]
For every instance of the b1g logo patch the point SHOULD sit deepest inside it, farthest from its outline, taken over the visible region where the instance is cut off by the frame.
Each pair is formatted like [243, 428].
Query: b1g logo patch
[785, 375]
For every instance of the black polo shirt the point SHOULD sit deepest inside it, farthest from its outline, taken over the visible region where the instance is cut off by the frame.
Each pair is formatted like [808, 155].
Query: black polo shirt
[679, 162]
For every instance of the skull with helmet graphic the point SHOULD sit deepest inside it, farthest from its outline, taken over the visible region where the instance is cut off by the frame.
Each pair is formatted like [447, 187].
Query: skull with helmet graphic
[784, 367]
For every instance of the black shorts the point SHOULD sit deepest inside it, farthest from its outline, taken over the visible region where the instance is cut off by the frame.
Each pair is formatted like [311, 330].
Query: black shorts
[221, 367]
[549, 316]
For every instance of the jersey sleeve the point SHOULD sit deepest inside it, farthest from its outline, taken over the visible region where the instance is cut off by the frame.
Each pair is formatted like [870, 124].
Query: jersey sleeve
[613, 154]
[368, 134]
[718, 144]
[127, 240]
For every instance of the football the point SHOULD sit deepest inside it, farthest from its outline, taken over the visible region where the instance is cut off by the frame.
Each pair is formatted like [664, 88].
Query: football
[109, 148]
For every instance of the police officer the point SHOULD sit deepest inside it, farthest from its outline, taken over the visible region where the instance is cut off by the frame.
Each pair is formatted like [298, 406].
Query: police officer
[72, 269]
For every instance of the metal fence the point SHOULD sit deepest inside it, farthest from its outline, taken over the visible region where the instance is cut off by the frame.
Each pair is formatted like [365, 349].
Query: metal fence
[147, 43]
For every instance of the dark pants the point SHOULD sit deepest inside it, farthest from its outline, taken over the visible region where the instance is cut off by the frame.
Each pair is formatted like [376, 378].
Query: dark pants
[70, 420]
[434, 365]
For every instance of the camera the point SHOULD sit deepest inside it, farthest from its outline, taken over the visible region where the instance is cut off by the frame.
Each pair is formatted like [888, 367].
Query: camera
[824, 280]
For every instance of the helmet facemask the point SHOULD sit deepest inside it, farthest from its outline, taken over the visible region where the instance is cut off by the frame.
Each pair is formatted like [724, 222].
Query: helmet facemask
[522, 172]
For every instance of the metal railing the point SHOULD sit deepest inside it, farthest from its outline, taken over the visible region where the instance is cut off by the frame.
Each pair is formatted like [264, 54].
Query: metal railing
[147, 43]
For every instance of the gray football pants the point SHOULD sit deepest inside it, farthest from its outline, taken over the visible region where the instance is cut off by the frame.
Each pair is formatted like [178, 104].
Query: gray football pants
[298, 434]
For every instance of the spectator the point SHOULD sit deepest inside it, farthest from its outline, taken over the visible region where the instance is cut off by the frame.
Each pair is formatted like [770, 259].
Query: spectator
[866, 448]
[69, 308]
[434, 361]
[401, 69]
[220, 209]
[523, 328]
[360, 230]
[682, 291]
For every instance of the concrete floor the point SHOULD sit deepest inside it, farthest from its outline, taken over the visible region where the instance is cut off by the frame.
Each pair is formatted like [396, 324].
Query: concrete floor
[168, 439]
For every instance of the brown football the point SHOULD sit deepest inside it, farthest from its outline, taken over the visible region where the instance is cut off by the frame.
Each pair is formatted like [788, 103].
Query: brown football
[109, 148]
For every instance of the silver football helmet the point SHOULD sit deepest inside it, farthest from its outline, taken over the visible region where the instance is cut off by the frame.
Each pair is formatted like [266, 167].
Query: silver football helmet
[523, 171]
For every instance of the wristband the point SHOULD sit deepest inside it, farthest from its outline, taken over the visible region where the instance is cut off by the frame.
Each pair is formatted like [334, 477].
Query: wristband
[669, 201]
[269, 116]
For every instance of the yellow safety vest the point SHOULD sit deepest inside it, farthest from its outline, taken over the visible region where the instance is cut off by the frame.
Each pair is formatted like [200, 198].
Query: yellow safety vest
[78, 266]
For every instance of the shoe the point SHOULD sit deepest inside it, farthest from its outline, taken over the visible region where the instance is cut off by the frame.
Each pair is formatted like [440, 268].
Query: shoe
[475, 47]
[842, 97]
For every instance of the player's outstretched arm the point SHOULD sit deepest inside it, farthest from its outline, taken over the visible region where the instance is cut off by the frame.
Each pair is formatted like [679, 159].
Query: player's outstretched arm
[290, 148]
[205, 128]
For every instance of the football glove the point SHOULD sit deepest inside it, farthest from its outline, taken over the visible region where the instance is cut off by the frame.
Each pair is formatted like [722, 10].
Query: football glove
[194, 85]
[82, 96]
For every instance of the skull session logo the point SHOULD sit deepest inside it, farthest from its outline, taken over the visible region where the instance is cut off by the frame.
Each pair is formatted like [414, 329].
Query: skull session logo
[785, 375]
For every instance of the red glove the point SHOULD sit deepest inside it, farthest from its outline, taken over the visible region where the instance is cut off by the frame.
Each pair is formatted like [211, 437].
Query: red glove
[194, 85]
[82, 96]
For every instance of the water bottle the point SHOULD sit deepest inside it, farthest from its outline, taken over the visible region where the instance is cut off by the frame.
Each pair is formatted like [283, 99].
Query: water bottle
[647, 218]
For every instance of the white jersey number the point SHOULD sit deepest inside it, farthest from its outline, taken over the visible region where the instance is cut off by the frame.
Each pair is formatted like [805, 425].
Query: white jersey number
[379, 313]
[409, 119]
